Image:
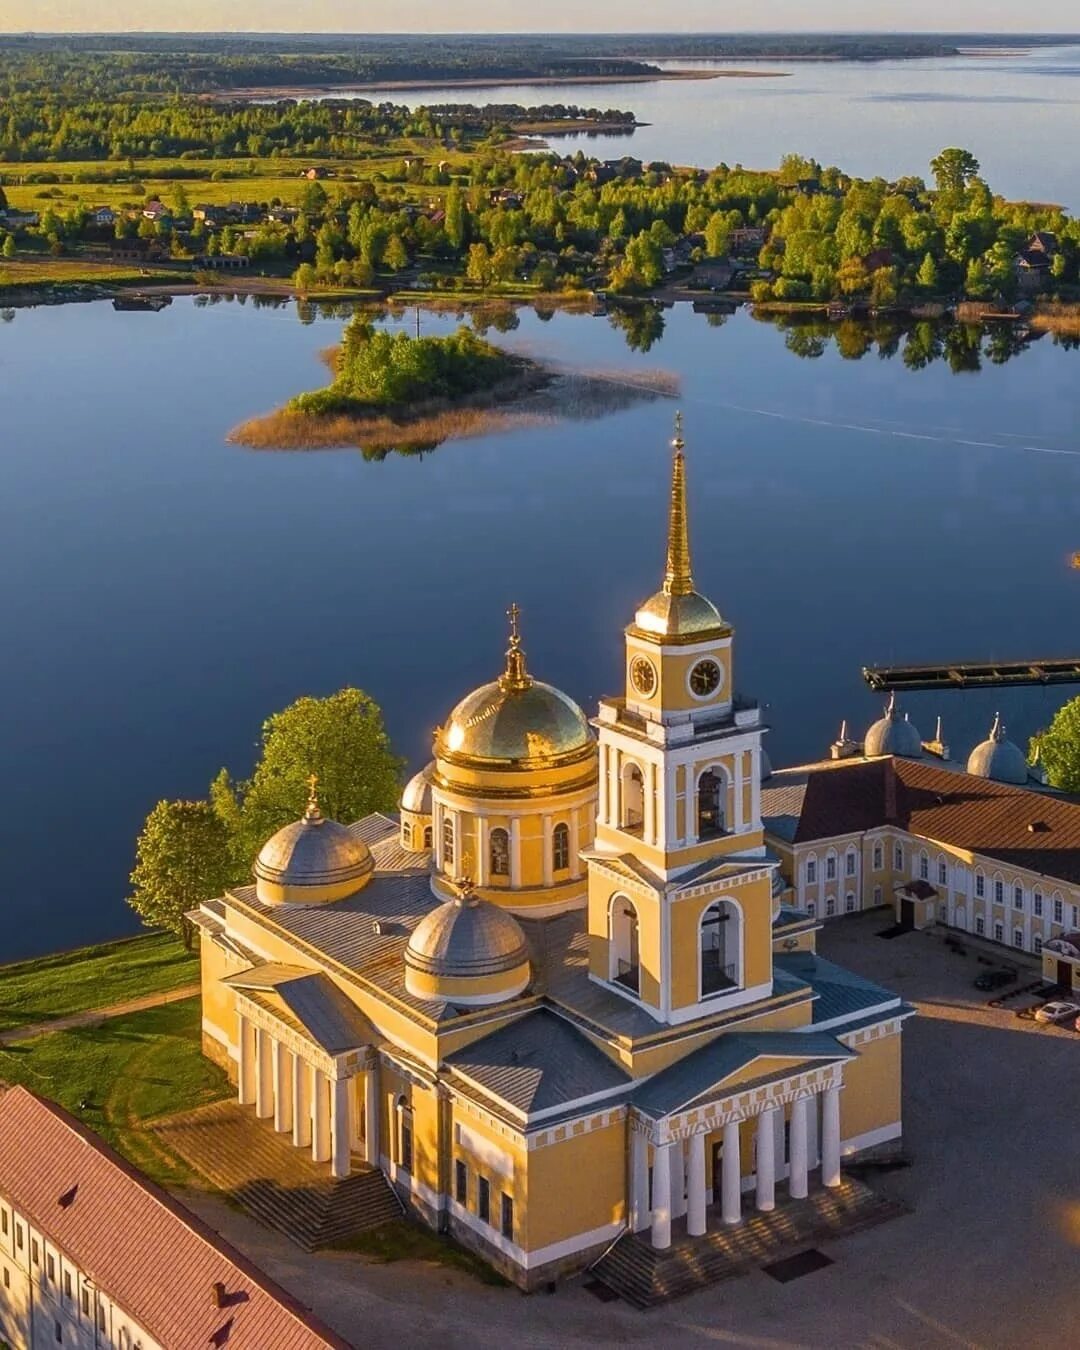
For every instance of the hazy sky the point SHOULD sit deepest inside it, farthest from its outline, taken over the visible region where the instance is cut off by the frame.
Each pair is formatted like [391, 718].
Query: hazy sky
[502, 16]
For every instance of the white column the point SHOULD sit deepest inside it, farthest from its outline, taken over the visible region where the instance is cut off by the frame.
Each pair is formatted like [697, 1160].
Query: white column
[731, 1176]
[671, 778]
[339, 1127]
[246, 1068]
[549, 870]
[615, 787]
[301, 1103]
[766, 1160]
[264, 1083]
[737, 789]
[661, 1196]
[602, 803]
[695, 1186]
[282, 1088]
[320, 1117]
[649, 831]
[371, 1116]
[678, 1179]
[515, 853]
[639, 1182]
[800, 1152]
[483, 848]
[830, 1137]
[575, 845]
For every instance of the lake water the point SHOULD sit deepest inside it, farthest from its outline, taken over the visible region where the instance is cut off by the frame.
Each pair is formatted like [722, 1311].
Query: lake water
[164, 591]
[1019, 114]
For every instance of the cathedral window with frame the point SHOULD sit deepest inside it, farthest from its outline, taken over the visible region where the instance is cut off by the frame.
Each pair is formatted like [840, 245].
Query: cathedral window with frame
[999, 892]
[506, 1225]
[483, 1199]
[406, 835]
[1059, 910]
[719, 945]
[405, 1135]
[499, 853]
[560, 848]
[830, 867]
[898, 858]
[711, 802]
[461, 1182]
[448, 842]
[942, 872]
[879, 858]
[924, 867]
[830, 906]
[811, 871]
[849, 863]
[999, 932]
[980, 885]
[625, 956]
[1037, 945]
[1037, 904]
[427, 836]
[1018, 897]
[1018, 938]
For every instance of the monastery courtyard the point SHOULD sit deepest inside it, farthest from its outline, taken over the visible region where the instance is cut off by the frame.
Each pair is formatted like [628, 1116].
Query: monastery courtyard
[989, 1258]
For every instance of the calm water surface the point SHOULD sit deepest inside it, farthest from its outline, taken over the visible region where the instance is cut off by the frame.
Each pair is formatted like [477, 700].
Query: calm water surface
[1019, 114]
[163, 591]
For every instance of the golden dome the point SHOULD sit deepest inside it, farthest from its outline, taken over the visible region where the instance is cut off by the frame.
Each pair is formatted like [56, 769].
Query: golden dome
[311, 861]
[677, 610]
[515, 719]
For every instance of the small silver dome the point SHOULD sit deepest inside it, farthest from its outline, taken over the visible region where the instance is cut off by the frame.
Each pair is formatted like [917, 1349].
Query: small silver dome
[309, 857]
[467, 939]
[997, 758]
[893, 735]
[417, 794]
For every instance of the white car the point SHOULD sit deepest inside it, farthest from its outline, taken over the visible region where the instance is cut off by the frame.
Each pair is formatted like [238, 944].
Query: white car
[1058, 1011]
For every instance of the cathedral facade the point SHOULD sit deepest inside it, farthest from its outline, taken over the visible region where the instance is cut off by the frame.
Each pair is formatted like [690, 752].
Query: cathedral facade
[565, 994]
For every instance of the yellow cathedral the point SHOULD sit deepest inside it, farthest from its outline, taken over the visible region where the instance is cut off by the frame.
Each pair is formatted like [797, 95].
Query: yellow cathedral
[564, 996]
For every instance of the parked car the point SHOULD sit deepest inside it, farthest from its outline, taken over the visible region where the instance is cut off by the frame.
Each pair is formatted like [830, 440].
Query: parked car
[995, 979]
[1058, 1011]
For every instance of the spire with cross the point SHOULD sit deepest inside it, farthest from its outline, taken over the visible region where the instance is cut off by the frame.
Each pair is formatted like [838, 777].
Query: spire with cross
[516, 676]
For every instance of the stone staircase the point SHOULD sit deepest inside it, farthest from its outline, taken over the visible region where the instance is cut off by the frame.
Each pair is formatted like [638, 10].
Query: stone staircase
[278, 1184]
[645, 1277]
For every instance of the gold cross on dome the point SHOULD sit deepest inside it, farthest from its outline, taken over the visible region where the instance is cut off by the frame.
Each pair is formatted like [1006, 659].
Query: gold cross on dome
[678, 442]
[514, 614]
[313, 789]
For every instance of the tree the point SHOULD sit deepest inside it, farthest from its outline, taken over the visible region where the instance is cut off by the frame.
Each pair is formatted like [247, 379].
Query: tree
[1058, 748]
[305, 278]
[396, 255]
[953, 169]
[478, 268]
[927, 278]
[9, 247]
[455, 223]
[340, 738]
[182, 858]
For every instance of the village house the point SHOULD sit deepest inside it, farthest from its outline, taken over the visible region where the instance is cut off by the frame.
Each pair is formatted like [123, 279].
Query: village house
[748, 239]
[1035, 261]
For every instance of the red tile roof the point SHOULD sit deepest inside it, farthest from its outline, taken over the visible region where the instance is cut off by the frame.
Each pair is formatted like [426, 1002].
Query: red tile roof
[144, 1250]
[1035, 830]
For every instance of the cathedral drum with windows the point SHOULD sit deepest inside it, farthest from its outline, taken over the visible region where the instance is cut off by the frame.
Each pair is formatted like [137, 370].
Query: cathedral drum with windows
[563, 999]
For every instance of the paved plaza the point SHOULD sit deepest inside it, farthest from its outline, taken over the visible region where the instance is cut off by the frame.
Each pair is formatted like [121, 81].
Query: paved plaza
[989, 1258]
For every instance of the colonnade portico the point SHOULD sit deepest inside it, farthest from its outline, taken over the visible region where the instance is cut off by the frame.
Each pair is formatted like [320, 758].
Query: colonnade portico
[308, 1092]
[678, 1172]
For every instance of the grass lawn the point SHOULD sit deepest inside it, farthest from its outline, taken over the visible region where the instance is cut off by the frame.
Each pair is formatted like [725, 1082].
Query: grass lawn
[93, 977]
[22, 273]
[404, 1241]
[118, 1076]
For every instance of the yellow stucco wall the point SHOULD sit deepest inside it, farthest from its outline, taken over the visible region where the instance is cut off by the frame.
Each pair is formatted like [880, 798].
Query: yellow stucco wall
[672, 666]
[577, 1185]
[872, 1088]
[754, 901]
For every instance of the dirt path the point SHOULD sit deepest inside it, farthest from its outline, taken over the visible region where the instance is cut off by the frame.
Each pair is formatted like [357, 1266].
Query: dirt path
[93, 1016]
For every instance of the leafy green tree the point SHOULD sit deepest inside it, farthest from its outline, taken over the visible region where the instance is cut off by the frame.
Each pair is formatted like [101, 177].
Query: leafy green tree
[182, 858]
[396, 255]
[927, 278]
[1058, 748]
[953, 169]
[455, 219]
[976, 282]
[305, 278]
[478, 267]
[342, 739]
[9, 246]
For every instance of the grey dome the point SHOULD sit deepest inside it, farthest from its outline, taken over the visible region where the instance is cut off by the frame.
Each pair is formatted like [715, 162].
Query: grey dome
[997, 758]
[312, 855]
[467, 939]
[893, 735]
[416, 796]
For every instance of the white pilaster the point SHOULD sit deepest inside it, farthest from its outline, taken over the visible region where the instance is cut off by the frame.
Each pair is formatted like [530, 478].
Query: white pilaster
[737, 789]
[800, 1152]
[695, 1186]
[602, 803]
[320, 1117]
[549, 867]
[766, 1160]
[339, 1127]
[282, 1063]
[830, 1137]
[371, 1115]
[264, 1074]
[731, 1175]
[649, 830]
[515, 853]
[661, 1196]
[483, 848]
[678, 1180]
[301, 1104]
[670, 836]
[575, 845]
[639, 1182]
[247, 1066]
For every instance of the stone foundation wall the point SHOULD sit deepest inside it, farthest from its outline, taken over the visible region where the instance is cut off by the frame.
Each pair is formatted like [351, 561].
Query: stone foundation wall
[219, 1054]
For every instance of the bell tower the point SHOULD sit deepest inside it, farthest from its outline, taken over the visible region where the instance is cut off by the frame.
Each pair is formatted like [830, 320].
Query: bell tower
[680, 802]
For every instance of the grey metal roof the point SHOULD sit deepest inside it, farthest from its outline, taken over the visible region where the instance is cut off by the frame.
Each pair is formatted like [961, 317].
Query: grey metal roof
[840, 992]
[538, 1063]
[467, 938]
[370, 829]
[683, 1083]
[315, 1002]
[390, 856]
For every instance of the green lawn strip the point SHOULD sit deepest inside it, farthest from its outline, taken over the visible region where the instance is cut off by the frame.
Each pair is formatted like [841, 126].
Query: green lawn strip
[405, 1241]
[121, 1076]
[93, 977]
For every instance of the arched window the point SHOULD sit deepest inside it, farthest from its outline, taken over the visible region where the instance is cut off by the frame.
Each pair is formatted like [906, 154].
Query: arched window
[811, 871]
[625, 958]
[448, 842]
[633, 799]
[406, 836]
[849, 863]
[830, 867]
[720, 948]
[849, 903]
[1038, 944]
[924, 867]
[405, 1134]
[942, 872]
[427, 836]
[980, 884]
[711, 802]
[560, 848]
[499, 853]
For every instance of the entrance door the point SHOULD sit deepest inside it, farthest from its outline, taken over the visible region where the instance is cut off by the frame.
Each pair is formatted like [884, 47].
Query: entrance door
[1064, 974]
[717, 1170]
[907, 913]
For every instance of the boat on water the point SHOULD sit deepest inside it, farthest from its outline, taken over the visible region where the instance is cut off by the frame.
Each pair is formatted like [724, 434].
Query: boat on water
[151, 304]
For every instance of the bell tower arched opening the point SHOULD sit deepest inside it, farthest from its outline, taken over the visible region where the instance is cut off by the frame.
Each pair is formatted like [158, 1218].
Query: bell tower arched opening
[632, 813]
[623, 945]
[720, 948]
[711, 805]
